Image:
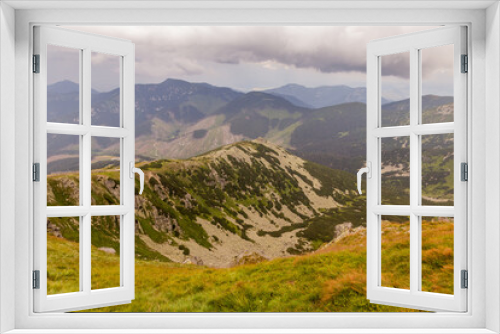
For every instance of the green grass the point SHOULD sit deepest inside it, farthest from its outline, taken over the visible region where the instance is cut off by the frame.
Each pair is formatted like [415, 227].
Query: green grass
[437, 255]
[62, 265]
[329, 280]
[395, 255]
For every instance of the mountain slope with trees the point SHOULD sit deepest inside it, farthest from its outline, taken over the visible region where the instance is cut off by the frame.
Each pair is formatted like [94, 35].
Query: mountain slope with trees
[247, 197]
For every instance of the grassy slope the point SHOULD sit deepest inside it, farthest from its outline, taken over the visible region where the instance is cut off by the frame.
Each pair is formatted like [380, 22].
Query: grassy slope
[329, 280]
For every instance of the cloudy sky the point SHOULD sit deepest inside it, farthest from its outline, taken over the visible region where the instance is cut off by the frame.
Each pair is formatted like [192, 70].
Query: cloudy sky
[260, 57]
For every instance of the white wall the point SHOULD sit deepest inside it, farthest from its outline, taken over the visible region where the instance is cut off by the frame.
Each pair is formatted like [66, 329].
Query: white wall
[7, 161]
[492, 163]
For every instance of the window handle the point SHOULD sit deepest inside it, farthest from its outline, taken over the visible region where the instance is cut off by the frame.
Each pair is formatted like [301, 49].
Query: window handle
[133, 170]
[368, 171]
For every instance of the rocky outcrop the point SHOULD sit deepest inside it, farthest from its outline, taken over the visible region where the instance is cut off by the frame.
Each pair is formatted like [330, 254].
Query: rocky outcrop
[108, 250]
[54, 229]
[248, 258]
[193, 260]
[343, 229]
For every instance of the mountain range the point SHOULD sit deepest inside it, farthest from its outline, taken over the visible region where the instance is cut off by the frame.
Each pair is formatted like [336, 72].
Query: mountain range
[178, 119]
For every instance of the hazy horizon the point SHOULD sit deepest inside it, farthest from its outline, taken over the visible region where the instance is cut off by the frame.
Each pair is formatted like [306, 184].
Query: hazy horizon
[211, 84]
[254, 90]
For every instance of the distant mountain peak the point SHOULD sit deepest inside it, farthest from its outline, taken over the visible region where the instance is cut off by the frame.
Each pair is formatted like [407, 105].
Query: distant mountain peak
[262, 94]
[291, 85]
[174, 80]
[67, 87]
[65, 82]
[184, 82]
[257, 101]
[63, 87]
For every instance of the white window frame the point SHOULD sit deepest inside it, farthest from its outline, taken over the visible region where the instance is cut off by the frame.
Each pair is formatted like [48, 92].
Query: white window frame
[484, 47]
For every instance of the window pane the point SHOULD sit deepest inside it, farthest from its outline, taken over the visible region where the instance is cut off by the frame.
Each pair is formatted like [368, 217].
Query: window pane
[63, 84]
[105, 89]
[395, 244]
[437, 254]
[105, 171]
[395, 89]
[63, 255]
[395, 170]
[63, 170]
[437, 170]
[437, 84]
[105, 252]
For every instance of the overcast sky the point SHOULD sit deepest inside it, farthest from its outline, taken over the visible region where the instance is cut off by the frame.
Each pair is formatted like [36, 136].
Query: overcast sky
[260, 57]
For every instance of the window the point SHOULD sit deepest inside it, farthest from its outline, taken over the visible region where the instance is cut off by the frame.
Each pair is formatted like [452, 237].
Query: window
[70, 136]
[399, 195]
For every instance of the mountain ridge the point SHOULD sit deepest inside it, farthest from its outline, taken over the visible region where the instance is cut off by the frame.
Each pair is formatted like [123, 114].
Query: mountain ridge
[250, 196]
[322, 96]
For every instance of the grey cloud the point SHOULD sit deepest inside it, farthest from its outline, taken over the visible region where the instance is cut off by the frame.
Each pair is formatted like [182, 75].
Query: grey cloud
[396, 65]
[182, 51]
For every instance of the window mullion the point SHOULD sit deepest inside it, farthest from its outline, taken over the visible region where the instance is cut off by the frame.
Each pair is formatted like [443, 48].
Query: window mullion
[414, 171]
[85, 167]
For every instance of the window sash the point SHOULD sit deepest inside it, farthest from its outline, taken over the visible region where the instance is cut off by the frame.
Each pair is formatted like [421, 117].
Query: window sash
[86, 298]
[414, 298]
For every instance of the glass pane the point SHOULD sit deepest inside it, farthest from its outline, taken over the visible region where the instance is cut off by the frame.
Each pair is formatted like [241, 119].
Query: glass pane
[105, 234]
[437, 84]
[63, 170]
[437, 169]
[437, 254]
[395, 252]
[63, 84]
[395, 89]
[105, 89]
[63, 255]
[105, 171]
[395, 178]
